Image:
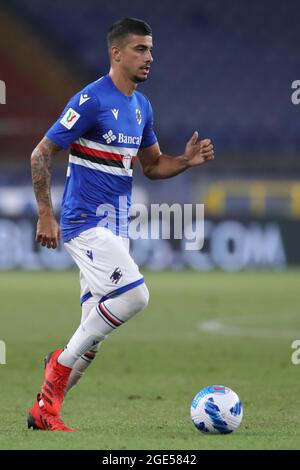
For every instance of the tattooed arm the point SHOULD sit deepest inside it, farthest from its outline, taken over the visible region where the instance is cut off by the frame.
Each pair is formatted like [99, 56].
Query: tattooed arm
[48, 231]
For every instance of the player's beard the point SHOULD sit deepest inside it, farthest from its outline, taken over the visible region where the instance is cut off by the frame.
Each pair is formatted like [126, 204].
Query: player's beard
[137, 79]
[140, 79]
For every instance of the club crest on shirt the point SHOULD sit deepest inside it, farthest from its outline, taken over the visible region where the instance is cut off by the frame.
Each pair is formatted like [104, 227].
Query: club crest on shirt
[138, 116]
[116, 276]
[126, 160]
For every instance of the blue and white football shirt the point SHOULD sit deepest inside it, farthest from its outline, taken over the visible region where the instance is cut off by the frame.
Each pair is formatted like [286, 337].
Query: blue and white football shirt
[105, 129]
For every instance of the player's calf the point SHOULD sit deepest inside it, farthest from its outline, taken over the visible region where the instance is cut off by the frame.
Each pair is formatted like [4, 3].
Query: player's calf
[79, 368]
[101, 321]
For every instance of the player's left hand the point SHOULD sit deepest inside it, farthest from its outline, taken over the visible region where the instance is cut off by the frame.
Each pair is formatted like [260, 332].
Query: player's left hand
[198, 151]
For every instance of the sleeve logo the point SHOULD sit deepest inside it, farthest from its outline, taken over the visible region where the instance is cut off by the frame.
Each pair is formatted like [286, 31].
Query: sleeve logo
[69, 118]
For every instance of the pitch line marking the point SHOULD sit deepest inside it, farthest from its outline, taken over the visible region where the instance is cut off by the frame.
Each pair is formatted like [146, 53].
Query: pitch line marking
[217, 327]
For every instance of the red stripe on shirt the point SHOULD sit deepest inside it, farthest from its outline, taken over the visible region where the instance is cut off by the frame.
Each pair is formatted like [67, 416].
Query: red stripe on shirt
[99, 153]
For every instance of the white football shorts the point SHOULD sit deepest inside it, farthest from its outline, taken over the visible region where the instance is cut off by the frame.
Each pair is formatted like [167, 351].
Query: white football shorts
[105, 265]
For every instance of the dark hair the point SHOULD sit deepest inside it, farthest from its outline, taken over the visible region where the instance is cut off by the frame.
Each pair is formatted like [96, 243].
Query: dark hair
[121, 28]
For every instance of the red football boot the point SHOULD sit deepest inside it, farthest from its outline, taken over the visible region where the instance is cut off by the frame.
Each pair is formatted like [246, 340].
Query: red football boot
[40, 419]
[55, 382]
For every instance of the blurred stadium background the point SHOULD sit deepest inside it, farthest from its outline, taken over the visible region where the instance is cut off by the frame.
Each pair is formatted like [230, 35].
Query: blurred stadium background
[225, 71]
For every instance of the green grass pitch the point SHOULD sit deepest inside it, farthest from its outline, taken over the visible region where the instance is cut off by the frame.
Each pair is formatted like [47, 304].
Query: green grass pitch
[199, 329]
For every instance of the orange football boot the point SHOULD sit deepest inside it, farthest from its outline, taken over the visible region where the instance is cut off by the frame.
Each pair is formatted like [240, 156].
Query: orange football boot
[39, 419]
[55, 382]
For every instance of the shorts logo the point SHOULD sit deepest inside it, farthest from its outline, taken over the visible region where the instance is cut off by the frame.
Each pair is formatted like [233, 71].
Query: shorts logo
[126, 160]
[69, 118]
[109, 136]
[138, 115]
[89, 254]
[116, 276]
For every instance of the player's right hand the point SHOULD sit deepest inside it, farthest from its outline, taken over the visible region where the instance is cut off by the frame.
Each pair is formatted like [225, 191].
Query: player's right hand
[48, 232]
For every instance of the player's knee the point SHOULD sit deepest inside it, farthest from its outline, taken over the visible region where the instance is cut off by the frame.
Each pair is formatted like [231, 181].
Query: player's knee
[141, 297]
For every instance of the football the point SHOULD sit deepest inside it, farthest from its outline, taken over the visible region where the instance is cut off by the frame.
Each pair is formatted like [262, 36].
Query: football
[216, 410]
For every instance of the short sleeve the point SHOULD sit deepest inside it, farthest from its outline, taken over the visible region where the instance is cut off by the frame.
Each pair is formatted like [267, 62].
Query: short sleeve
[149, 137]
[79, 115]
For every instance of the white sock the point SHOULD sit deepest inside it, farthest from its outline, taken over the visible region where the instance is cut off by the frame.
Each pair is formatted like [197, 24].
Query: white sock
[83, 362]
[79, 369]
[104, 318]
[84, 338]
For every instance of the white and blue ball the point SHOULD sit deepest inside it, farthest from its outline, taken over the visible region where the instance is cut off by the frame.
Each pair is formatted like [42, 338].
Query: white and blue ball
[216, 410]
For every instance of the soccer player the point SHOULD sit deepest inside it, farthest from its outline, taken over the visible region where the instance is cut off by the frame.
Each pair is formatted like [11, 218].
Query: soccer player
[107, 125]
